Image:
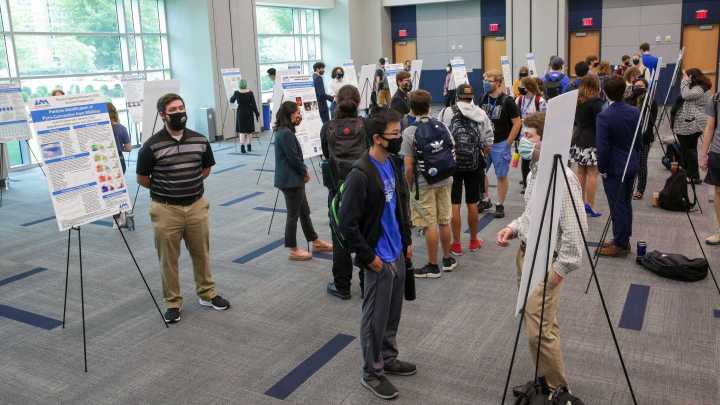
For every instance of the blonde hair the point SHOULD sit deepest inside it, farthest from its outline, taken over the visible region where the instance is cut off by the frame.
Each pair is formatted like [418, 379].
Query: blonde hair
[495, 74]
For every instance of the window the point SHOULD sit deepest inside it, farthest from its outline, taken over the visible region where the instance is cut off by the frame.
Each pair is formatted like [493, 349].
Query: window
[287, 36]
[80, 46]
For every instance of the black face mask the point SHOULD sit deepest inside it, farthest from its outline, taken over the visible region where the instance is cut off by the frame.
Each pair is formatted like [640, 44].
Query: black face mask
[522, 90]
[339, 75]
[636, 61]
[176, 121]
[407, 87]
[523, 75]
[638, 91]
[393, 145]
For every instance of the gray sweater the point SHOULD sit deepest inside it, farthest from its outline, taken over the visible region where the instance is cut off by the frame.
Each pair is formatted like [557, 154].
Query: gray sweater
[691, 118]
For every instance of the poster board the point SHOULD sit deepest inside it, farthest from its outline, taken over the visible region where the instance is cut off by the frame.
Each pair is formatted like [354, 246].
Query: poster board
[300, 89]
[152, 91]
[350, 73]
[559, 121]
[82, 164]
[133, 85]
[415, 71]
[459, 71]
[231, 81]
[507, 73]
[14, 119]
[531, 64]
[365, 85]
[391, 71]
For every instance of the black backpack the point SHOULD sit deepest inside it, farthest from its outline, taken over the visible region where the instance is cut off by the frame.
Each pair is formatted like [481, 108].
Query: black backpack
[334, 213]
[346, 143]
[434, 157]
[675, 266]
[532, 394]
[553, 88]
[674, 196]
[466, 134]
[672, 154]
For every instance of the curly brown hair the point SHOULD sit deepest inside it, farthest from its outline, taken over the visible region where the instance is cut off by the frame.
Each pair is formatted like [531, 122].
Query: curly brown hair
[535, 121]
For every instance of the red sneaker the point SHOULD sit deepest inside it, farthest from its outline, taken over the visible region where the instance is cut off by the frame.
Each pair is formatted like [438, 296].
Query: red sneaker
[475, 244]
[456, 249]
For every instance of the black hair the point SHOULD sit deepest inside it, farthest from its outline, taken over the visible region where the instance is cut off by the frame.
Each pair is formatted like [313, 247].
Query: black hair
[167, 99]
[379, 120]
[381, 61]
[283, 116]
[614, 88]
[318, 65]
[582, 68]
[556, 63]
[348, 100]
[271, 72]
[645, 47]
[334, 71]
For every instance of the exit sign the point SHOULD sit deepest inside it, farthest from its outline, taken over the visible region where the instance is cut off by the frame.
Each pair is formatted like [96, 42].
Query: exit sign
[701, 14]
[402, 33]
[587, 22]
[494, 27]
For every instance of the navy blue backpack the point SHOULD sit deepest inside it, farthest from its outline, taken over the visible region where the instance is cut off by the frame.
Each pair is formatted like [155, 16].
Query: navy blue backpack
[434, 157]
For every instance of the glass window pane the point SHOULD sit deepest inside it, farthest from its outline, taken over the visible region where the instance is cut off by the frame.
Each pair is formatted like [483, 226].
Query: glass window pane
[15, 157]
[149, 21]
[266, 84]
[155, 76]
[152, 52]
[310, 22]
[128, 8]
[276, 49]
[318, 48]
[107, 85]
[274, 20]
[4, 72]
[317, 21]
[67, 54]
[63, 15]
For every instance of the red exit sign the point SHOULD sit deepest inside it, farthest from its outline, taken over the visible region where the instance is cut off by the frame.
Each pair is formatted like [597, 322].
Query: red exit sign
[402, 33]
[494, 27]
[701, 14]
[587, 22]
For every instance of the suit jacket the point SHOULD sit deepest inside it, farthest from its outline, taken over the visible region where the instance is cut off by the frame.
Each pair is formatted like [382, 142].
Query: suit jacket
[400, 102]
[615, 128]
[322, 97]
[290, 166]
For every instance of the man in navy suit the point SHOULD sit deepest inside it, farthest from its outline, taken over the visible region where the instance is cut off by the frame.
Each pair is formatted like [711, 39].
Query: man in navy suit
[322, 97]
[614, 140]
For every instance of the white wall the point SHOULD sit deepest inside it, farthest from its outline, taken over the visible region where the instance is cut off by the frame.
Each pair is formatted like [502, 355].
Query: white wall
[445, 30]
[335, 35]
[548, 38]
[369, 24]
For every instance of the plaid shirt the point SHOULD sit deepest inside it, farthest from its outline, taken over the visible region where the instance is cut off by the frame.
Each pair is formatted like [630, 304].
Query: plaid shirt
[569, 245]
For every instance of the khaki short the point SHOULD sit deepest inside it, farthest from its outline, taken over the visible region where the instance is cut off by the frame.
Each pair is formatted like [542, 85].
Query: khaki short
[433, 207]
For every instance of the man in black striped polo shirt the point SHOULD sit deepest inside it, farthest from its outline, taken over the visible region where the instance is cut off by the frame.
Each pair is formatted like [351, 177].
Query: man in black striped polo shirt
[173, 164]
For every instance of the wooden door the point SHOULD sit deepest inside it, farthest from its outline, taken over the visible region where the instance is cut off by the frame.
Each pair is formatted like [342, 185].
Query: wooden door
[493, 49]
[701, 49]
[404, 50]
[582, 45]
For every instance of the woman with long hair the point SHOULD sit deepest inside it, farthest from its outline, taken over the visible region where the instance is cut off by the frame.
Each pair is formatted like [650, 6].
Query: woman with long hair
[639, 90]
[530, 101]
[583, 150]
[690, 119]
[290, 177]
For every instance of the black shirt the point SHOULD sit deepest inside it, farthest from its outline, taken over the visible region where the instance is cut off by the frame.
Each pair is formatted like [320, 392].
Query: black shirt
[400, 102]
[175, 167]
[585, 117]
[502, 111]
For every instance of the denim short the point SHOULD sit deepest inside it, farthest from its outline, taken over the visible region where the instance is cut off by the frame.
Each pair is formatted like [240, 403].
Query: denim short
[499, 158]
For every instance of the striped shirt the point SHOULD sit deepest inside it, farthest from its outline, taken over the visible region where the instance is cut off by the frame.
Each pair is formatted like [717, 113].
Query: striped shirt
[175, 167]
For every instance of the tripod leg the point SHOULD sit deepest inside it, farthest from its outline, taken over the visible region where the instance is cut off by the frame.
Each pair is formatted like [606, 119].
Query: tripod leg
[600, 293]
[137, 191]
[265, 159]
[277, 194]
[82, 298]
[67, 274]
[142, 276]
[312, 161]
[594, 258]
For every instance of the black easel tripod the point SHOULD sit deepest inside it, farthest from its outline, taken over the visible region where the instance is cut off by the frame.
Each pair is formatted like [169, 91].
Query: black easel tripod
[551, 189]
[82, 291]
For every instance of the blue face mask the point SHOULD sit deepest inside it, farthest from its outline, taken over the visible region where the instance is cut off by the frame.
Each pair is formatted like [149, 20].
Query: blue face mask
[487, 86]
[526, 148]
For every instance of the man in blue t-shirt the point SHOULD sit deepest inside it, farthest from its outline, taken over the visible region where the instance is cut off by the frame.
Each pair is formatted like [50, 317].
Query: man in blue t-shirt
[375, 224]
[649, 60]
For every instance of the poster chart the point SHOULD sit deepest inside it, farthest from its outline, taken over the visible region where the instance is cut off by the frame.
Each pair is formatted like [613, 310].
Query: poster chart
[415, 71]
[459, 72]
[152, 91]
[133, 86]
[391, 71]
[350, 73]
[77, 145]
[365, 85]
[14, 125]
[300, 89]
[231, 81]
[507, 73]
[558, 121]
[531, 64]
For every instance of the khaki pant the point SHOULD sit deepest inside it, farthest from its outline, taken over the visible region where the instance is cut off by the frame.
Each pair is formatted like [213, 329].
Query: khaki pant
[552, 365]
[433, 207]
[172, 223]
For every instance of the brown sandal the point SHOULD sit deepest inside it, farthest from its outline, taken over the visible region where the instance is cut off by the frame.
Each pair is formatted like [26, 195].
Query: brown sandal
[321, 246]
[637, 195]
[299, 255]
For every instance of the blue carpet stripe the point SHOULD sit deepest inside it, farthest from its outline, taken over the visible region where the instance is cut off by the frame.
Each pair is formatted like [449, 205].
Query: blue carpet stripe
[483, 222]
[38, 221]
[241, 199]
[29, 318]
[593, 244]
[322, 255]
[265, 170]
[244, 154]
[22, 275]
[260, 251]
[228, 169]
[310, 366]
[716, 312]
[633, 313]
[102, 222]
[269, 209]
[222, 149]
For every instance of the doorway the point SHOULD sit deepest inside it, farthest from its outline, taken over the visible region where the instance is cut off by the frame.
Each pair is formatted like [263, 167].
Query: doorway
[404, 50]
[493, 49]
[582, 45]
[701, 49]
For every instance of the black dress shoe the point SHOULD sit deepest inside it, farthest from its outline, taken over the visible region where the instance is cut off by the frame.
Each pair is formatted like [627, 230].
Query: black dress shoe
[333, 290]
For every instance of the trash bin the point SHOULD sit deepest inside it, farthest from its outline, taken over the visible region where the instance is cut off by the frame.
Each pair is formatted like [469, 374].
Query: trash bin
[266, 116]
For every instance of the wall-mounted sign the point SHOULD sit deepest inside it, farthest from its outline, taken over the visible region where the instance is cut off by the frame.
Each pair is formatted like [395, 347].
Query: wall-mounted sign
[402, 33]
[494, 27]
[587, 22]
[701, 14]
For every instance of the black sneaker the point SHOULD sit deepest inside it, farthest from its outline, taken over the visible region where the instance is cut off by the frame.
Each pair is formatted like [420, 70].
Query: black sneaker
[218, 303]
[172, 315]
[499, 211]
[398, 367]
[249, 148]
[428, 271]
[333, 290]
[449, 263]
[563, 396]
[242, 148]
[380, 386]
[484, 205]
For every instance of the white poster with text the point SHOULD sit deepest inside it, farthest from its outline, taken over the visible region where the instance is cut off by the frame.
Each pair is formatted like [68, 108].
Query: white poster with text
[350, 73]
[365, 85]
[14, 125]
[231, 81]
[300, 90]
[415, 71]
[531, 64]
[507, 73]
[460, 74]
[134, 86]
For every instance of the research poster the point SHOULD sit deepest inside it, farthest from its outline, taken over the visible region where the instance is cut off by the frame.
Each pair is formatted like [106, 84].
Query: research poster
[231, 81]
[152, 91]
[415, 71]
[78, 149]
[507, 73]
[133, 86]
[350, 73]
[300, 90]
[14, 125]
[391, 71]
[531, 64]
[559, 122]
[460, 74]
[365, 85]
